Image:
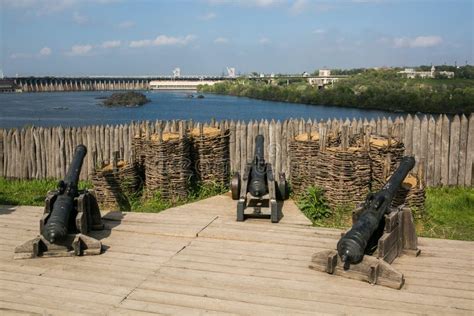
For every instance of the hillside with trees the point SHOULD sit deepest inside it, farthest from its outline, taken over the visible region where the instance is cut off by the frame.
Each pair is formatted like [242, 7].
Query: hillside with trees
[369, 89]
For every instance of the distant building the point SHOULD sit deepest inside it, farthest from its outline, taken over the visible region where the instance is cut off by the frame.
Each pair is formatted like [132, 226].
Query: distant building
[177, 72]
[411, 73]
[231, 72]
[178, 84]
[324, 73]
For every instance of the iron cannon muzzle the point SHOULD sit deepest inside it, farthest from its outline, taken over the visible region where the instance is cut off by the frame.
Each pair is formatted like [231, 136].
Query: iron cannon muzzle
[352, 246]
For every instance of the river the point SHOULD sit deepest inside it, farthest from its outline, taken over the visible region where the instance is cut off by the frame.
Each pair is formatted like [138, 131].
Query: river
[84, 108]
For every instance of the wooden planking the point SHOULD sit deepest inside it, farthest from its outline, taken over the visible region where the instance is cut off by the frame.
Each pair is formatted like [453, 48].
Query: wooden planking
[244, 268]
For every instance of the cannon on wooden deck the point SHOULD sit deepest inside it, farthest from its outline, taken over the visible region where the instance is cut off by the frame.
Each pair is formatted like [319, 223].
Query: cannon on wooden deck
[379, 235]
[257, 188]
[69, 214]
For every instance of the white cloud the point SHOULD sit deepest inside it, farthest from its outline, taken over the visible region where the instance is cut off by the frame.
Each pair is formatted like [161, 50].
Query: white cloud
[20, 56]
[80, 50]
[264, 40]
[79, 19]
[319, 31]
[208, 16]
[45, 51]
[221, 40]
[163, 40]
[111, 44]
[126, 24]
[416, 42]
[299, 6]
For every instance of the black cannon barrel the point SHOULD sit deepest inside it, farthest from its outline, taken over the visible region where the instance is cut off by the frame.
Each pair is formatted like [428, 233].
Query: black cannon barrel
[258, 184]
[56, 227]
[351, 246]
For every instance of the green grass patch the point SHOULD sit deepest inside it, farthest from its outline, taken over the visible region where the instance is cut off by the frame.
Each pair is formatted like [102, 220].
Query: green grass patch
[449, 213]
[157, 204]
[33, 192]
[29, 192]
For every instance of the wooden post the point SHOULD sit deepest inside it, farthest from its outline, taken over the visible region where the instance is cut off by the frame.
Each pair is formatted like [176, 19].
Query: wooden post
[454, 151]
[445, 136]
[243, 146]
[463, 150]
[416, 144]
[423, 141]
[232, 146]
[430, 158]
[437, 148]
[277, 149]
[469, 178]
[238, 133]
[250, 141]
[408, 135]
[344, 137]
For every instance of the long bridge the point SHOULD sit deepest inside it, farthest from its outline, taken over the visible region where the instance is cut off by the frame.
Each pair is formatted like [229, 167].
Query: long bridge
[110, 83]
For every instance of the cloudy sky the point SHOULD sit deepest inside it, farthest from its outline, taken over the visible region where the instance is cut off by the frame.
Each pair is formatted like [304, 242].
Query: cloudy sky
[145, 37]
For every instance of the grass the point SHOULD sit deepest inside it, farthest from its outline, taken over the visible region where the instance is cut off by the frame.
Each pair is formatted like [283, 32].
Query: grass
[449, 214]
[33, 192]
[157, 204]
[28, 192]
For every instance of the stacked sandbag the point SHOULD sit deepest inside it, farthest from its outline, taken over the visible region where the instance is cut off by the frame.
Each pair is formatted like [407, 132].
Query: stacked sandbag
[412, 194]
[210, 155]
[344, 175]
[167, 165]
[385, 155]
[304, 150]
[113, 187]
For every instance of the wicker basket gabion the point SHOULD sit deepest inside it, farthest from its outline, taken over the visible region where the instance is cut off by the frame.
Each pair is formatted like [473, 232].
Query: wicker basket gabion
[210, 155]
[412, 193]
[113, 186]
[304, 151]
[344, 174]
[138, 151]
[385, 155]
[167, 165]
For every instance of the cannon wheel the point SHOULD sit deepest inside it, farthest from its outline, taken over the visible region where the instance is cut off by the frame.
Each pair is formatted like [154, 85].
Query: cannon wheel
[235, 186]
[282, 186]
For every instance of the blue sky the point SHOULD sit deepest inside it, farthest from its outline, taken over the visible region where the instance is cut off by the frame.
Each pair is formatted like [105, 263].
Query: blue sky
[145, 37]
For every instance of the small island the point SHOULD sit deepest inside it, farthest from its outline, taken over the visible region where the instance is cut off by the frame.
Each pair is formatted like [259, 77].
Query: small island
[127, 99]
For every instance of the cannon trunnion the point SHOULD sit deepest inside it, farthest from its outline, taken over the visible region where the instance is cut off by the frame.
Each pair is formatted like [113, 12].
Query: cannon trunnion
[258, 188]
[69, 216]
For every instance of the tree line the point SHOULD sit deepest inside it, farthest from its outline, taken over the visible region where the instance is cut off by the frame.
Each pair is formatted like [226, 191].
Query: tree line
[371, 89]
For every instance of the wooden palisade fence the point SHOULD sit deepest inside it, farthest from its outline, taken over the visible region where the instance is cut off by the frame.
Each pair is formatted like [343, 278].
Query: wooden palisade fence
[445, 144]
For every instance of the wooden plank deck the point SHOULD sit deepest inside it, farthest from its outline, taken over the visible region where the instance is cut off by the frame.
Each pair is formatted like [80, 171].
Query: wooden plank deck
[196, 259]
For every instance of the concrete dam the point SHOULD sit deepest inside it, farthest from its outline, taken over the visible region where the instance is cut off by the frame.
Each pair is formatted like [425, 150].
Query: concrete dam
[61, 84]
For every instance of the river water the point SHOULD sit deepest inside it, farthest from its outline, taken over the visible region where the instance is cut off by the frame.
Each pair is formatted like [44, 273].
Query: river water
[84, 108]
